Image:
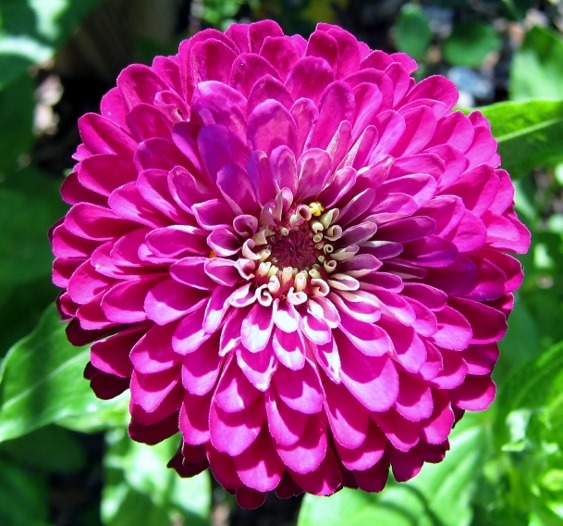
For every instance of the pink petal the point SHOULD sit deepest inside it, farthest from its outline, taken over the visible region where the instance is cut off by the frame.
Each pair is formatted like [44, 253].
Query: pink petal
[233, 433]
[259, 467]
[194, 419]
[372, 380]
[285, 425]
[256, 328]
[153, 352]
[307, 454]
[155, 396]
[348, 420]
[301, 390]
[201, 368]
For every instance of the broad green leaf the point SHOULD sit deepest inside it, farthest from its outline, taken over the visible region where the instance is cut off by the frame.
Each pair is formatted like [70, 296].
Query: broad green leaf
[21, 307]
[520, 343]
[439, 495]
[22, 496]
[32, 30]
[29, 205]
[140, 489]
[17, 102]
[41, 380]
[356, 508]
[536, 385]
[470, 43]
[529, 133]
[412, 31]
[537, 70]
[60, 450]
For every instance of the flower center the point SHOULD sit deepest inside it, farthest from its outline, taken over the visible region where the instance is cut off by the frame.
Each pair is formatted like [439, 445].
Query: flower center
[292, 249]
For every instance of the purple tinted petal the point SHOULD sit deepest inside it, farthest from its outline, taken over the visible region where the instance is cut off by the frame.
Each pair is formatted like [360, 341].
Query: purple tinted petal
[372, 380]
[300, 389]
[201, 369]
[256, 328]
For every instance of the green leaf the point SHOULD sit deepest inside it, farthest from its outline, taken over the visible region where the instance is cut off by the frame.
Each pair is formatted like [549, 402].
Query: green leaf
[41, 380]
[536, 67]
[412, 31]
[439, 495]
[29, 205]
[520, 343]
[470, 43]
[537, 385]
[32, 30]
[529, 133]
[17, 102]
[22, 496]
[60, 450]
[140, 489]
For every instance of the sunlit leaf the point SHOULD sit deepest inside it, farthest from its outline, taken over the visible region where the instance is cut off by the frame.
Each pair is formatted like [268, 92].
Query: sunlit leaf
[529, 133]
[537, 70]
[41, 380]
[439, 495]
[140, 489]
[537, 385]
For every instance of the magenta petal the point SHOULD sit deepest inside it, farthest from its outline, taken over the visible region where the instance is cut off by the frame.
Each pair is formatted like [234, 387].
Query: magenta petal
[259, 467]
[373, 479]
[368, 338]
[406, 465]
[112, 355]
[487, 323]
[217, 307]
[155, 396]
[258, 368]
[372, 380]
[415, 398]
[286, 317]
[256, 328]
[289, 349]
[475, 394]
[367, 455]
[301, 390]
[271, 125]
[85, 283]
[194, 419]
[191, 272]
[124, 302]
[223, 468]
[200, 370]
[437, 428]
[234, 392]
[153, 352]
[307, 454]
[168, 300]
[454, 332]
[324, 480]
[285, 425]
[232, 433]
[403, 434]
[348, 420]
[189, 334]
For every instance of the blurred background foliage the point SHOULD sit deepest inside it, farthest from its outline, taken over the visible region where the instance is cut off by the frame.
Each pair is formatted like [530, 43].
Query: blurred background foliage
[65, 458]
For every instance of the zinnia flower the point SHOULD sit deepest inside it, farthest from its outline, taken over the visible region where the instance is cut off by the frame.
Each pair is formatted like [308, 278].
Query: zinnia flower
[292, 253]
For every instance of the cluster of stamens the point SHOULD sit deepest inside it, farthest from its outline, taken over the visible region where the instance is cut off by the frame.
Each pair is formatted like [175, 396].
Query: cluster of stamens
[294, 251]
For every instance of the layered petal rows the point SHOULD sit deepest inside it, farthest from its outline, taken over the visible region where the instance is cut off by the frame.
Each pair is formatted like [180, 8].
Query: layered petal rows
[292, 253]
